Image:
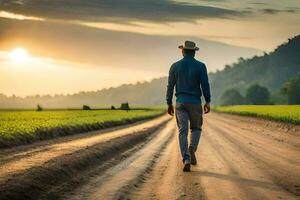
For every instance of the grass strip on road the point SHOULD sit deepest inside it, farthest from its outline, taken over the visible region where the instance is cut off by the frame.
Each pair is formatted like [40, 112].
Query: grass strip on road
[23, 127]
[282, 113]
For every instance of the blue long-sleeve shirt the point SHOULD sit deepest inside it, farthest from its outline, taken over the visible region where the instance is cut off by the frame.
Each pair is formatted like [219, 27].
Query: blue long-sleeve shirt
[189, 76]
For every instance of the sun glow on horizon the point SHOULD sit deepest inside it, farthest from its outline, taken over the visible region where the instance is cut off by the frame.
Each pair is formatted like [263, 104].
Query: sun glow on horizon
[18, 55]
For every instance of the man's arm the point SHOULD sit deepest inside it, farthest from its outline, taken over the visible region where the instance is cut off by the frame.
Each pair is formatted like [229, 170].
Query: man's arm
[205, 89]
[170, 90]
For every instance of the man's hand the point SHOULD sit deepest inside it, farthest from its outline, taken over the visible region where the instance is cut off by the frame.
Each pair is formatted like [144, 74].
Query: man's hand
[206, 108]
[171, 110]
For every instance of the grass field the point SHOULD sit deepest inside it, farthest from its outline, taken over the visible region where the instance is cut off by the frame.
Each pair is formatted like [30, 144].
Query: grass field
[284, 113]
[20, 127]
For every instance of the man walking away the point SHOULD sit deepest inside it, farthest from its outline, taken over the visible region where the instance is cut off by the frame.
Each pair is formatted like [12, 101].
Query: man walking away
[189, 76]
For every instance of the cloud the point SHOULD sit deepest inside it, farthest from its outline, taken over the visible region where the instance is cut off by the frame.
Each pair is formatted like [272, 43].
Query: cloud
[120, 11]
[259, 3]
[110, 49]
[9, 15]
[275, 11]
[293, 8]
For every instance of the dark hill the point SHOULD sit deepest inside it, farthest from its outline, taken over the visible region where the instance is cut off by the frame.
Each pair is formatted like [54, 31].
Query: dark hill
[270, 70]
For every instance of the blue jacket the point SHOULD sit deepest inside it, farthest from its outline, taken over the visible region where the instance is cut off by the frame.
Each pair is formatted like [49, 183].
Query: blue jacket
[189, 76]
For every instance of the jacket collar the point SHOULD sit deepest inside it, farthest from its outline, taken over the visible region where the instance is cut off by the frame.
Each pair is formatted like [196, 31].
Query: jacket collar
[187, 56]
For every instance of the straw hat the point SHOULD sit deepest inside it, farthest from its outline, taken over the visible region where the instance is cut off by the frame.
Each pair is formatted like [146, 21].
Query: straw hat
[190, 45]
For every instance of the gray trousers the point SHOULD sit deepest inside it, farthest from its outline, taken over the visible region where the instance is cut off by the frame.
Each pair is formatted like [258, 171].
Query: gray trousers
[188, 115]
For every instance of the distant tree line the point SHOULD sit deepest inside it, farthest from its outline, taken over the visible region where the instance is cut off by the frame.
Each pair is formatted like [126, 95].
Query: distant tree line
[124, 106]
[259, 95]
[139, 94]
[256, 95]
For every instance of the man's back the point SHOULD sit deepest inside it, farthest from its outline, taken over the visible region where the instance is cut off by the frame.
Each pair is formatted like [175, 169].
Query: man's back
[188, 75]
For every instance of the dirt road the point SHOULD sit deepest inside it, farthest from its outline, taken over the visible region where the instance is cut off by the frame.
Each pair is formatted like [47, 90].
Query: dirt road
[239, 158]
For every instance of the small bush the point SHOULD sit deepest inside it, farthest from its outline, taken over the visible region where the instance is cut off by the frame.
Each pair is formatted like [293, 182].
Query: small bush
[39, 108]
[113, 108]
[85, 107]
[292, 90]
[232, 97]
[258, 95]
[125, 106]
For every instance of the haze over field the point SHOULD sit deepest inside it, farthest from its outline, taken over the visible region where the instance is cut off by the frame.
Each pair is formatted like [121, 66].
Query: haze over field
[90, 45]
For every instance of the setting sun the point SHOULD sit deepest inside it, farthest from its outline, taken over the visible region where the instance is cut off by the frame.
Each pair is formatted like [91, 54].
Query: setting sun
[18, 55]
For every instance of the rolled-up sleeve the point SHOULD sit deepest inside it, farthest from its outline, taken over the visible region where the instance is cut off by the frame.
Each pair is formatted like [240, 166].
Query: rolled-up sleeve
[170, 86]
[205, 85]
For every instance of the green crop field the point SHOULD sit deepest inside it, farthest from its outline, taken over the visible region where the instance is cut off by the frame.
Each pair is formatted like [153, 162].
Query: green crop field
[20, 127]
[284, 113]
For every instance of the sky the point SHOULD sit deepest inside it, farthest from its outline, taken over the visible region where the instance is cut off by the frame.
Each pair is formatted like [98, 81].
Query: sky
[79, 45]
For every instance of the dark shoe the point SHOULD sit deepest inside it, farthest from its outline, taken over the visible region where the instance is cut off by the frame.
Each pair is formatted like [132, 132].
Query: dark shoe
[187, 167]
[193, 157]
